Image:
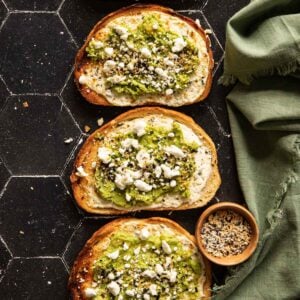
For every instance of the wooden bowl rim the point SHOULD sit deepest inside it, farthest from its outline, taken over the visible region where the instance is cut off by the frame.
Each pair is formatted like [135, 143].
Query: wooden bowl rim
[232, 259]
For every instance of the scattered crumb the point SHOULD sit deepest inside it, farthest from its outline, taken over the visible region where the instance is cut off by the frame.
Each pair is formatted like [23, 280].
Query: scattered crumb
[87, 128]
[25, 104]
[49, 282]
[32, 188]
[68, 140]
[100, 122]
[197, 21]
[21, 232]
[208, 31]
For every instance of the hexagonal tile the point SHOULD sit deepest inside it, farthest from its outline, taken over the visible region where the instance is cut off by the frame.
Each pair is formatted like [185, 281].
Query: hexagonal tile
[215, 45]
[230, 188]
[32, 131]
[217, 101]
[41, 64]
[4, 175]
[35, 278]
[33, 5]
[4, 257]
[3, 12]
[218, 12]
[80, 237]
[37, 216]
[4, 93]
[84, 112]
[88, 13]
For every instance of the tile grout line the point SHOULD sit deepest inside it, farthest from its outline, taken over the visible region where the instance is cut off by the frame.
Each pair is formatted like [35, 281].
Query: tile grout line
[222, 130]
[60, 6]
[219, 64]
[6, 246]
[35, 94]
[35, 176]
[67, 29]
[213, 32]
[66, 81]
[5, 84]
[5, 270]
[32, 12]
[5, 5]
[37, 257]
[71, 155]
[5, 186]
[4, 20]
[71, 237]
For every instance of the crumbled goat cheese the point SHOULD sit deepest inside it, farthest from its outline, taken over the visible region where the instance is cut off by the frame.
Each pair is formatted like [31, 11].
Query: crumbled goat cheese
[168, 172]
[139, 127]
[130, 66]
[144, 234]
[155, 26]
[130, 293]
[104, 154]
[97, 44]
[127, 257]
[94, 164]
[127, 197]
[111, 276]
[173, 183]
[100, 122]
[161, 72]
[179, 44]
[168, 62]
[128, 143]
[171, 134]
[113, 255]
[172, 276]
[146, 297]
[168, 261]
[127, 266]
[83, 79]
[137, 250]
[149, 273]
[114, 288]
[146, 52]
[197, 21]
[68, 141]
[122, 32]
[122, 180]
[175, 151]
[125, 246]
[142, 186]
[109, 51]
[81, 172]
[143, 158]
[121, 65]
[159, 269]
[90, 292]
[157, 171]
[169, 92]
[153, 289]
[166, 247]
[109, 66]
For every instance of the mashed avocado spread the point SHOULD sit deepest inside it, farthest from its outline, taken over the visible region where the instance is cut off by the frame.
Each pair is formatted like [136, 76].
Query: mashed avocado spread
[146, 267]
[150, 59]
[138, 168]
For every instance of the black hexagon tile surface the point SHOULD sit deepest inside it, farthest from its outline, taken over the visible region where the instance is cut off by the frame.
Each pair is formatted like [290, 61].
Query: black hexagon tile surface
[44, 121]
[5, 256]
[34, 5]
[38, 55]
[33, 130]
[34, 278]
[37, 216]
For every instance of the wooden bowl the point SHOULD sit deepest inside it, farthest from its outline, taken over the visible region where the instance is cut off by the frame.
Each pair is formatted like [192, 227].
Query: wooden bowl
[231, 259]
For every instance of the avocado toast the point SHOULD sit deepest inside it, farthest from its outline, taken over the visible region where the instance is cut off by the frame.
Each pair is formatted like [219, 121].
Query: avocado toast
[146, 159]
[145, 54]
[145, 259]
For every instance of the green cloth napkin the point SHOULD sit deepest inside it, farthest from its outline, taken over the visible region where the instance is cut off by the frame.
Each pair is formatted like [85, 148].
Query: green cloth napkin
[263, 55]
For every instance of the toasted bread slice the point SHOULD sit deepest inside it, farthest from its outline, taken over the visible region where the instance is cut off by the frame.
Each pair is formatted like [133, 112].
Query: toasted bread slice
[151, 251]
[181, 75]
[146, 159]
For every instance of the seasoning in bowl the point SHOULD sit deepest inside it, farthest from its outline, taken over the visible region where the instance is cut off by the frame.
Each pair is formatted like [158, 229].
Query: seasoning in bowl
[225, 233]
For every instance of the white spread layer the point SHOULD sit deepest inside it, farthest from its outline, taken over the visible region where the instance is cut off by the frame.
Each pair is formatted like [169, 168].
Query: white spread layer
[203, 166]
[95, 80]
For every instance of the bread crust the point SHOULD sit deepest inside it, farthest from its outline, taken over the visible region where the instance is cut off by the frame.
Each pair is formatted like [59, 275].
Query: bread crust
[89, 150]
[81, 60]
[83, 263]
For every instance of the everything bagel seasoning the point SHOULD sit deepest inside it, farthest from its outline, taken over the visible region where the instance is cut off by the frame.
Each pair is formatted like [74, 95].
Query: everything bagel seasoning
[225, 233]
